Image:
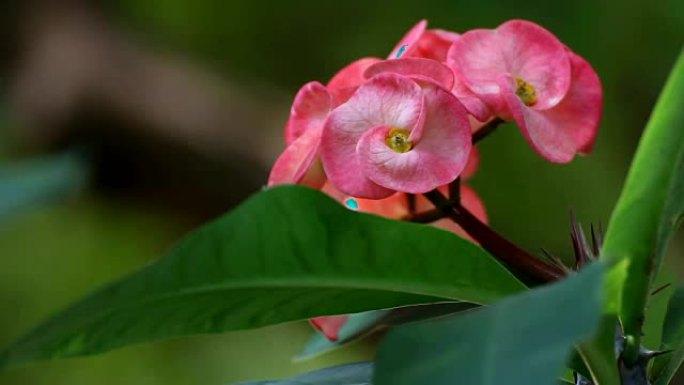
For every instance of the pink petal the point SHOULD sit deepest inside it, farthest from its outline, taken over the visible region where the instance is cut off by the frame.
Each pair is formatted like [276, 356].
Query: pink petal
[538, 57]
[437, 158]
[416, 68]
[409, 40]
[469, 99]
[309, 110]
[478, 59]
[348, 79]
[570, 127]
[476, 125]
[472, 201]
[435, 43]
[387, 99]
[477, 62]
[517, 48]
[472, 165]
[584, 102]
[329, 326]
[296, 165]
[394, 207]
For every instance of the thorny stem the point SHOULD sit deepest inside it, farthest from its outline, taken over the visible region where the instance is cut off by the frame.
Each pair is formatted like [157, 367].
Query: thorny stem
[490, 240]
[503, 249]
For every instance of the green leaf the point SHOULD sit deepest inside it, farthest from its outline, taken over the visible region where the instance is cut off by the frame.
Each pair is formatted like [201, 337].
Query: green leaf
[665, 366]
[287, 253]
[598, 353]
[351, 374]
[650, 205]
[521, 340]
[359, 325]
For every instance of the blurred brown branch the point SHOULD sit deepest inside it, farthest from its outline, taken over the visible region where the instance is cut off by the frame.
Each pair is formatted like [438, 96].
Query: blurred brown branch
[71, 58]
[73, 55]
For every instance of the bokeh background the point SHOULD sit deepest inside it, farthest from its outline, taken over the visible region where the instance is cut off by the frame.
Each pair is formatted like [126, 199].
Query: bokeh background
[124, 124]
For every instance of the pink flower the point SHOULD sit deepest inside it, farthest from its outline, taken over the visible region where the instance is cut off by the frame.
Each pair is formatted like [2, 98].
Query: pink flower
[299, 163]
[395, 135]
[348, 79]
[424, 70]
[434, 44]
[521, 72]
[425, 43]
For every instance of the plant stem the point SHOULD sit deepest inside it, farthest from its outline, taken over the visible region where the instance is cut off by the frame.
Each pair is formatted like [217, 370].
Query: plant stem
[487, 129]
[455, 190]
[501, 248]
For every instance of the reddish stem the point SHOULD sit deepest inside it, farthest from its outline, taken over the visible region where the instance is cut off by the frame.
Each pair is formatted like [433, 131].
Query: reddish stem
[501, 248]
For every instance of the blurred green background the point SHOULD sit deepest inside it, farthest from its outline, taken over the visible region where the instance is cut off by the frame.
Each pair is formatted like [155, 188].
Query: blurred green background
[150, 117]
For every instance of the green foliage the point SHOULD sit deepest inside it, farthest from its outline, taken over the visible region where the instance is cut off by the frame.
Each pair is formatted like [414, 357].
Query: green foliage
[665, 366]
[598, 353]
[521, 340]
[649, 206]
[352, 374]
[287, 253]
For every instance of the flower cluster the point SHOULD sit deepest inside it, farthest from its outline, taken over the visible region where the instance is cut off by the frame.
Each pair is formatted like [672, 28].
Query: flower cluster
[383, 131]
[405, 124]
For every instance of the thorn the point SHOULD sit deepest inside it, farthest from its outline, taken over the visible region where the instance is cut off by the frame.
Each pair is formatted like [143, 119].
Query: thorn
[547, 254]
[573, 218]
[661, 288]
[595, 246]
[577, 251]
[578, 242]
[555, 260]
[650, 354]
[588, 255]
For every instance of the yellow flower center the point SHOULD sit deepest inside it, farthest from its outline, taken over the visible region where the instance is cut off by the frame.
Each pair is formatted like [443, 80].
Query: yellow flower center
[398, 140]
[525, 92]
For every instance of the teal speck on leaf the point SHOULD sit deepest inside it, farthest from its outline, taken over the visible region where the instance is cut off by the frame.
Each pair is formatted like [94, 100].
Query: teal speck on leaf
[352, 204]
[401, 50]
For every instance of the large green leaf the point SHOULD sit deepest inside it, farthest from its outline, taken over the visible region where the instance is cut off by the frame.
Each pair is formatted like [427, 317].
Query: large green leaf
[287, 253]
[665, 366]
[521, 340]
[650, 204]
[351, 374]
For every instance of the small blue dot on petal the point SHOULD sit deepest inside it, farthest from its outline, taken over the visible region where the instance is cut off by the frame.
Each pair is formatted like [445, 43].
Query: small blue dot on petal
[401, 50]
[352, 203]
